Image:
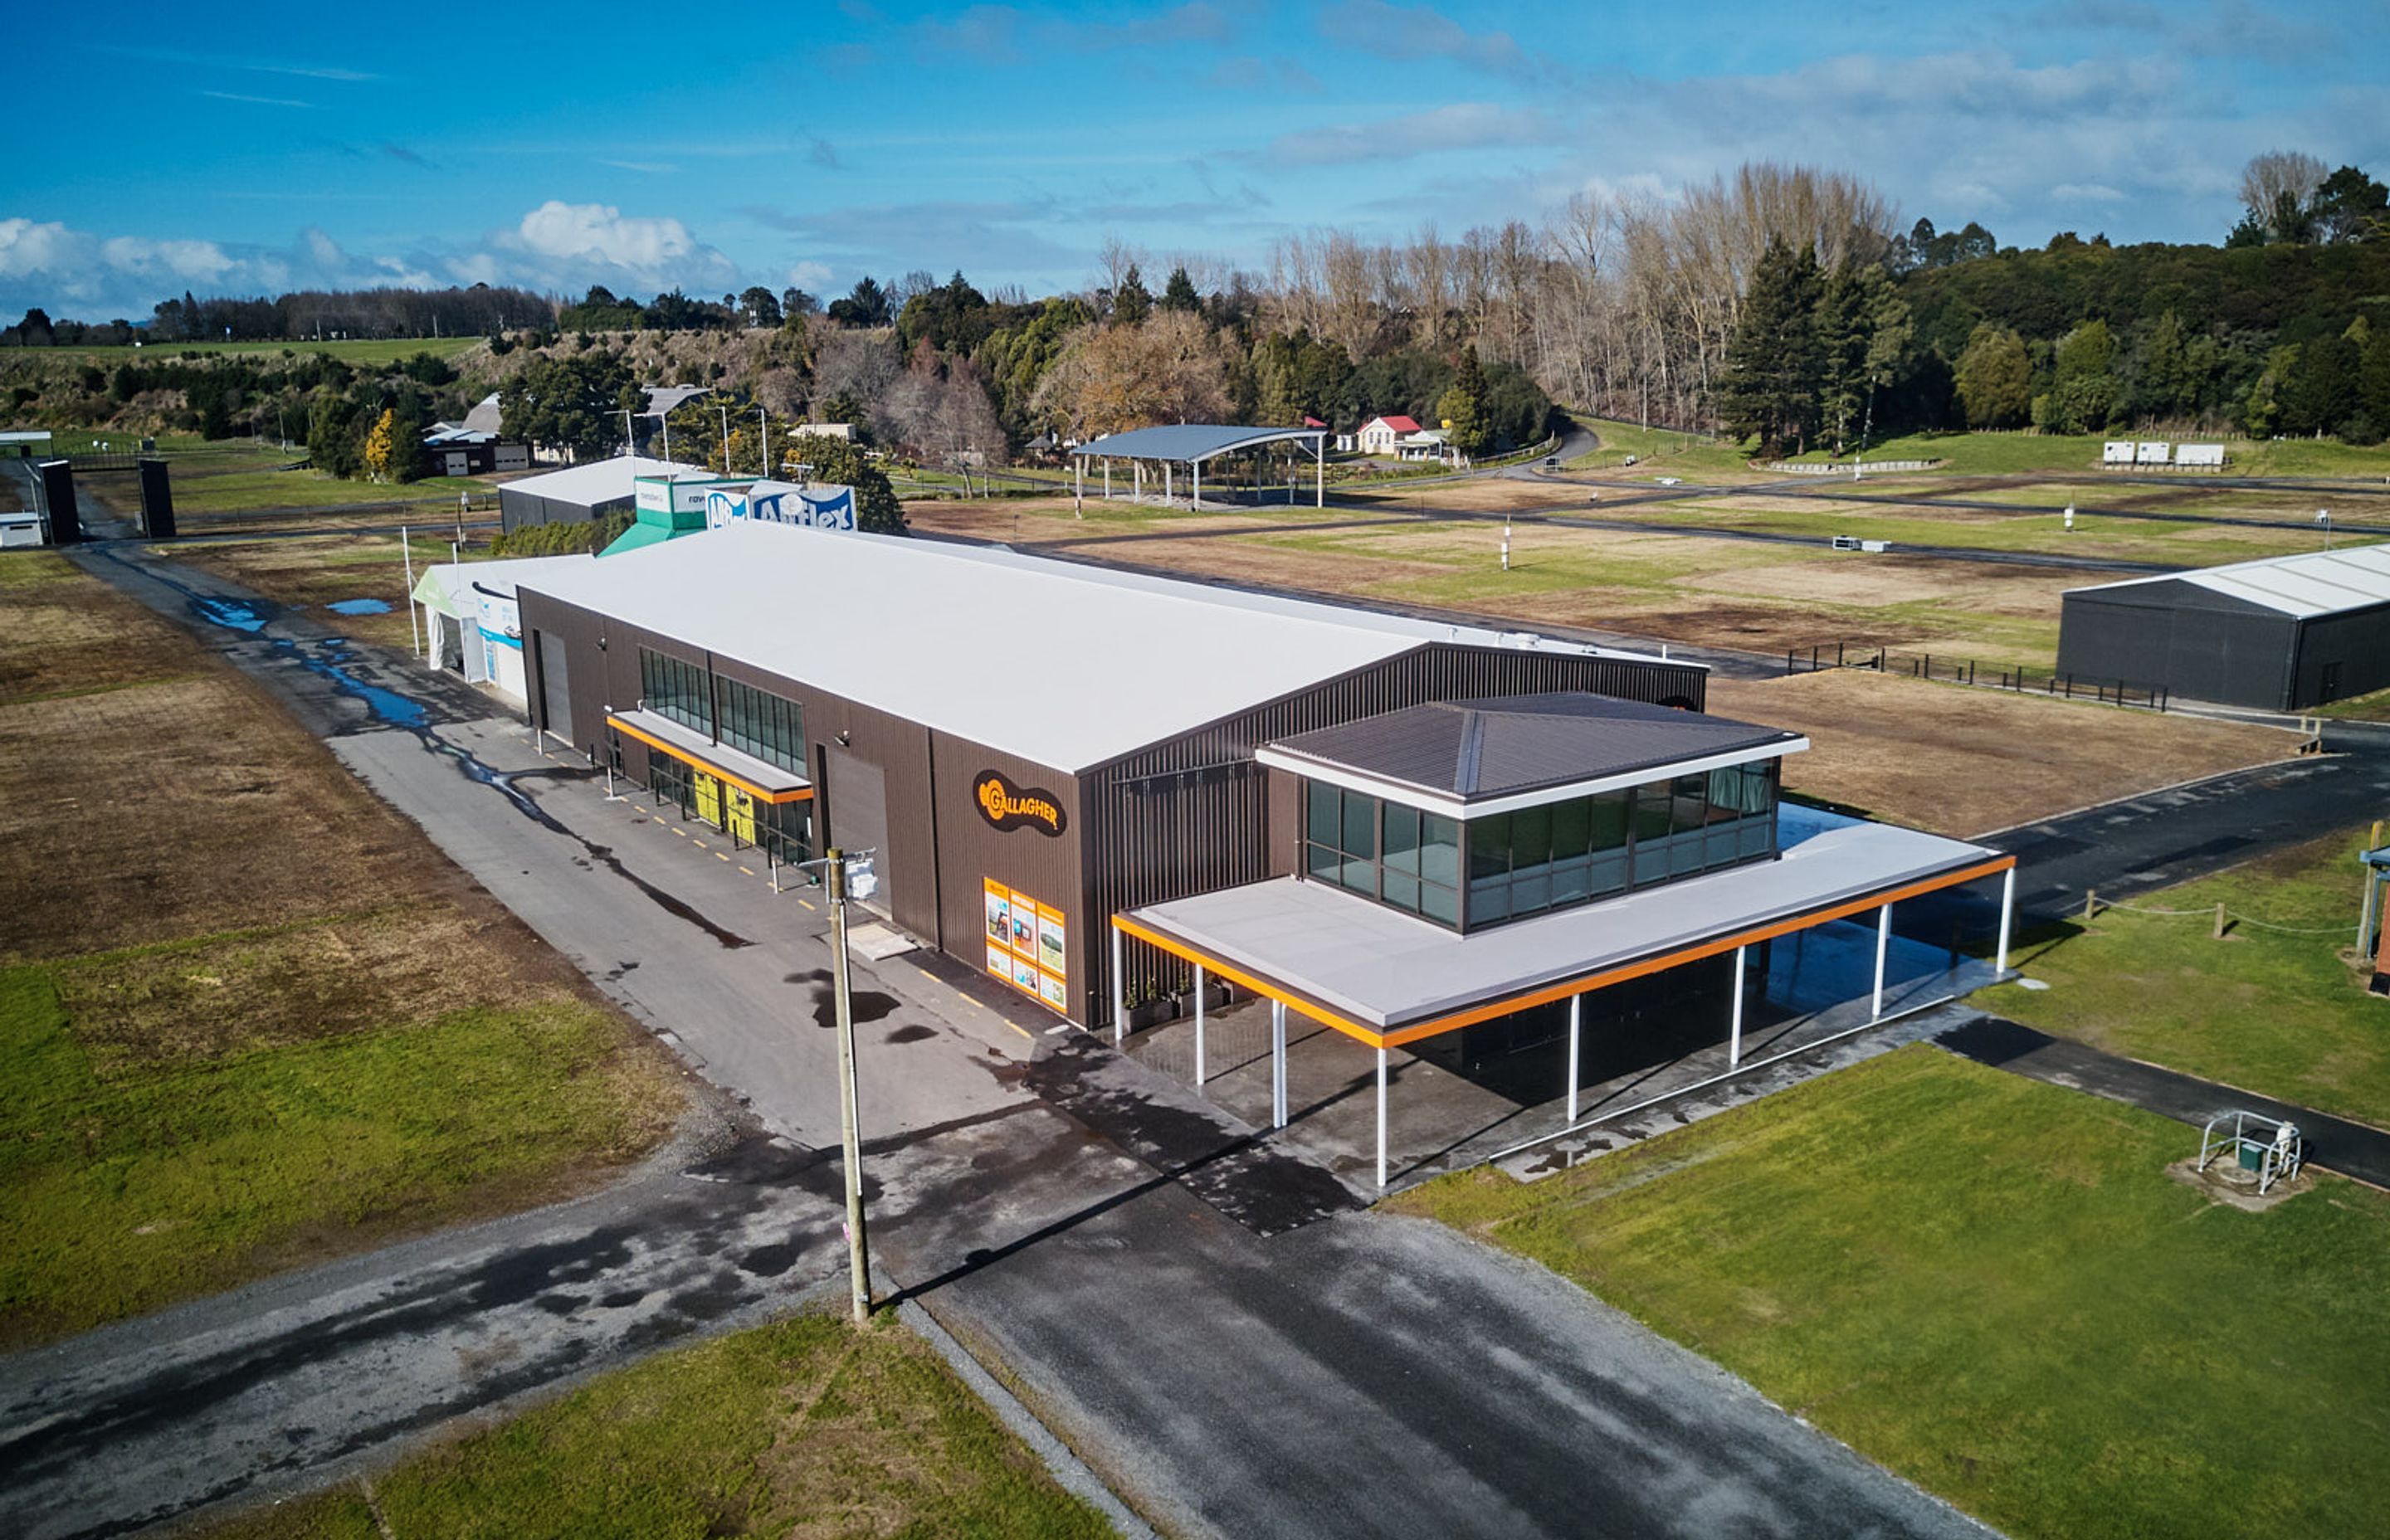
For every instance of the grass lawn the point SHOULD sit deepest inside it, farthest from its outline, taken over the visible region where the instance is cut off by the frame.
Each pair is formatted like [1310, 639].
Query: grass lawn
[2282, 1014]
[1659, 449]
[309, 571]
[248, 1016]
[807, 1427]
[1992, 1287]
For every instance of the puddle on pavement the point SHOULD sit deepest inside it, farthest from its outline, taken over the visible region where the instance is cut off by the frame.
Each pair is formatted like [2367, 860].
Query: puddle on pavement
[358, 607]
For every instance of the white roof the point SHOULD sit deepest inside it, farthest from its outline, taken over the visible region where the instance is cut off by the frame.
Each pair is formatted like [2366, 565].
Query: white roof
[447, 586]
[1063, 664]
[600, 480]
[2305, 585]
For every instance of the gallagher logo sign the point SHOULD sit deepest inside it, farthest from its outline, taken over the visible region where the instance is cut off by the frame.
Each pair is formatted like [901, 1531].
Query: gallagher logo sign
[1008, 808]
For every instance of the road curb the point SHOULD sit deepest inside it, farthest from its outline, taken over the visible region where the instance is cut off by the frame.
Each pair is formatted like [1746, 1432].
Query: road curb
[1066, 1466]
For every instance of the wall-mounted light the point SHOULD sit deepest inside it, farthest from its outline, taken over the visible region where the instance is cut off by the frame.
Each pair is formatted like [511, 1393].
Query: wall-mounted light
[845, 737]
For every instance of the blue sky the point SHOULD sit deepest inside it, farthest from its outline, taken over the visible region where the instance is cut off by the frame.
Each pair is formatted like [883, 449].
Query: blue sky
[641, 147]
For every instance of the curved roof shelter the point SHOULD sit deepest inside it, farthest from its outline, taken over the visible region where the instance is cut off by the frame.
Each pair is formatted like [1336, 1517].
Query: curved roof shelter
[1191, 444]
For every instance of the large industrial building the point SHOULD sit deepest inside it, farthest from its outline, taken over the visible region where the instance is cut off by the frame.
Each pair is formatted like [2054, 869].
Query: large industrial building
[1106, 789]
[2283, 634]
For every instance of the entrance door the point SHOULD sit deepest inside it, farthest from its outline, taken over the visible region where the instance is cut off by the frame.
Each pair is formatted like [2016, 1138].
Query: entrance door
[741, 806]
[858, 815]
[709, 800]
[555, 688]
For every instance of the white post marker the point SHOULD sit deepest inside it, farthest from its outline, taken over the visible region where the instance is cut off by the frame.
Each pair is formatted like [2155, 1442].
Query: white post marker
[1278, 1063]
[1320, 472]
[1120, 991]
[1576, 1027]
[1734, 1034]
[1381, 1118]
[1196, 469]
[1883, 942]
[2008, 918]
[1199, 1023]
[1079, 486]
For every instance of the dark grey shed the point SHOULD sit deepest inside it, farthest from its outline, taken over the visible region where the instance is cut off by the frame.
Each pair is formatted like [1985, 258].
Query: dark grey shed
[2283, 634]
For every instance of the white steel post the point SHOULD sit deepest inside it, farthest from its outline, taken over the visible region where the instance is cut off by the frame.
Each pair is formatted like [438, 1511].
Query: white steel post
[1120, 991]
[1108, 478]
[1199, 1023]
[412, 629]
[1196, 470]
[1079, 486]
[1883, 942]
[1278, 1063]
[2008, 918]
[1576, 1028]
[1381, 1118]
[1320, 470]
[1734, 1037]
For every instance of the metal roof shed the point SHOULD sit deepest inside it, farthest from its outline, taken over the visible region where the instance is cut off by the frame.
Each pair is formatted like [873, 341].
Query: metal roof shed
[2281, 633]
[580, 493]
[1191, 444]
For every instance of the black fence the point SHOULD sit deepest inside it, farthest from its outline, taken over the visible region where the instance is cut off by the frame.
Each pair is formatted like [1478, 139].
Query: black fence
[1969, 671]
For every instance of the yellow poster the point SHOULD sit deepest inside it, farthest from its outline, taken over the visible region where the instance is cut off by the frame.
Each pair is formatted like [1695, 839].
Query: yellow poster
[743, 813]
[709, 799]
[1026, 945]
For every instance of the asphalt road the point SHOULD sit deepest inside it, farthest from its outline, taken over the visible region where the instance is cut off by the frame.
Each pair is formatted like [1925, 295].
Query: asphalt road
[1211, 1322]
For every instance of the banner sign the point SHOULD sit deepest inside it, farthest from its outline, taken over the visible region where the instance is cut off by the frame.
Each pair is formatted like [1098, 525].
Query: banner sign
[500, 617]
[807, 508]
[1009, 807]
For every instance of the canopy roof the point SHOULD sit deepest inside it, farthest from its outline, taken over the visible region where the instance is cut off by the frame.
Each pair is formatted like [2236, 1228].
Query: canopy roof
[447, 586]
[1378, 974]
[1189, 443]
[2303, 586]
[1480, 751]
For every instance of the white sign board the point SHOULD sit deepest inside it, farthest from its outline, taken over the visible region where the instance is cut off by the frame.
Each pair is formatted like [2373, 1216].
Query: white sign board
[2153, 452]
[2117, 452]
[668, 494]
[807, 508]
[2200, 454]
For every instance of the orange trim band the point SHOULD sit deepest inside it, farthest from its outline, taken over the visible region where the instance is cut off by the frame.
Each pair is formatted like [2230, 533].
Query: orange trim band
[1269, 992]
[690, 757]
[1584, 983]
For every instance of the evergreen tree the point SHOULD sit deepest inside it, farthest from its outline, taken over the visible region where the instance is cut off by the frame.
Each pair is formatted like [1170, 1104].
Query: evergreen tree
[1774, 365]
[1132, 305]
[2323, 387]
[1863, 329]
[2373, 386]
[1179, 293]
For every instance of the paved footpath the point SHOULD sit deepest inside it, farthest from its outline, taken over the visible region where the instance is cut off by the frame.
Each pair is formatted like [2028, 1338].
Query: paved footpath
[2335, 1144]
[1212, 1324]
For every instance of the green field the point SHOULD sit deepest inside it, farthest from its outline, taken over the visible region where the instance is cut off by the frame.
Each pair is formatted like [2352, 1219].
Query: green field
[808, 1427]
[1992, 1287]
[380, 350]
[1660, 451]
[2280, 1011]
[133, 1178]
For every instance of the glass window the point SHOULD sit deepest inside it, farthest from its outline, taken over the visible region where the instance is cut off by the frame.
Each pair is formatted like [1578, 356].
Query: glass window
[1440, 903]
[1321, 823]
[1531, 838]
[1360, 827]
[1440, 850]
[1402, 838]
[1608, 816]
[1650, 817]
[1688, 802]
[1571, 828]
[1489, 848]
[1401, 890]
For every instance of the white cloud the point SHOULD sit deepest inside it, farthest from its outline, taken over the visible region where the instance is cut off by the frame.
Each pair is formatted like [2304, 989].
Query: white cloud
[28, 248]
[2086, 192]
[598, 232]
[1421, 31]
[809, 275]
[190, 262]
